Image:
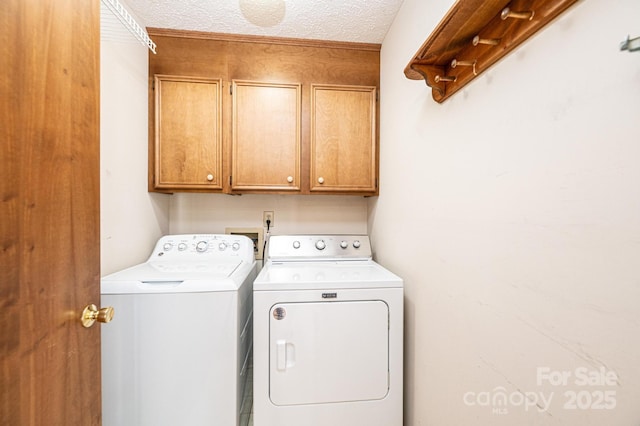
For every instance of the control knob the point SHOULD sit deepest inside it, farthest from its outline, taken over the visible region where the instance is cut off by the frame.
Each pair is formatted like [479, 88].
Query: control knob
[344, 244]
[182, 246]
[356, 244]
[296, 244]
[222, 246]
[235, 246]
[320, 245]
[167, 246]
[202, 246]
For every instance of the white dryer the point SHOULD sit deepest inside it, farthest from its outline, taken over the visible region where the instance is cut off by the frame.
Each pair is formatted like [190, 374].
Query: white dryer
[328, 335]
[178, 349]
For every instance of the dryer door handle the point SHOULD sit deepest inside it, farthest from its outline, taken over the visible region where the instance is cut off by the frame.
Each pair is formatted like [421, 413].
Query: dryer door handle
[281, 354]
[285, 355]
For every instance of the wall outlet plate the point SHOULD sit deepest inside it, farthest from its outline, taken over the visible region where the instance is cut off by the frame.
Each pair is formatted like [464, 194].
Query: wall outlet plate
[255, 234]
[268, 215]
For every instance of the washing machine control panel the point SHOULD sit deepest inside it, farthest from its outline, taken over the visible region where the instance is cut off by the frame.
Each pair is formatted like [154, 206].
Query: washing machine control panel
[185, 247]
[321, 247]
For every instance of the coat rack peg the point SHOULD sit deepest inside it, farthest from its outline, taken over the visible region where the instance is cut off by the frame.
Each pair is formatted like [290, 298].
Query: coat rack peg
[631, 44]
[508, 13]
[456, 63]
[444, 78]
[490, 41]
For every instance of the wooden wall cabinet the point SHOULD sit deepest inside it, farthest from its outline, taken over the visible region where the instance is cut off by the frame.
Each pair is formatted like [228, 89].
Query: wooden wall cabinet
[343, 138]
[188, 133]
[265, 136]
[251, 114]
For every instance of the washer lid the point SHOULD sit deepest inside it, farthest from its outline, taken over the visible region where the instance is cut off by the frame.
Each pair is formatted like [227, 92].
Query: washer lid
[163, 271]
[323, 275]
[172, 277]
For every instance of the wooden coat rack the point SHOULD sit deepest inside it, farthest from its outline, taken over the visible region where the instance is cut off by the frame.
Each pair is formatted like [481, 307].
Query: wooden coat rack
[475, 34]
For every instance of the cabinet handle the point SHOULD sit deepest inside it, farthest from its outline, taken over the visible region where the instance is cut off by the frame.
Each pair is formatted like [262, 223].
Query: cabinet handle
[320, 180]
[209, 177]
[290, 179]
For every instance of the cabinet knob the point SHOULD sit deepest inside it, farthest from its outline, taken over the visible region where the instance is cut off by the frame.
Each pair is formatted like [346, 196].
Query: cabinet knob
[209, 177]
[320, 180]
[290, 179]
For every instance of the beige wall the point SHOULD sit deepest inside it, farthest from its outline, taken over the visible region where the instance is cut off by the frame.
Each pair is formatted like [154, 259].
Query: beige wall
[293, 214]
[131, 219]
[512, 211]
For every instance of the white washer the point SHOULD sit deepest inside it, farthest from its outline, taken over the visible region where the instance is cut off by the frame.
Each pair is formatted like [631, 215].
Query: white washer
[178, 348]
[328, 335]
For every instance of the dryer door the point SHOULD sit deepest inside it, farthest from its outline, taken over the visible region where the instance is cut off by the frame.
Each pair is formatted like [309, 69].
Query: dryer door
[328, 352]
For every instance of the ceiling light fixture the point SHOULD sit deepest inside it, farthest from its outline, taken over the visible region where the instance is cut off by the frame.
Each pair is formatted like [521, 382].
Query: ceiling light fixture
[263, 13]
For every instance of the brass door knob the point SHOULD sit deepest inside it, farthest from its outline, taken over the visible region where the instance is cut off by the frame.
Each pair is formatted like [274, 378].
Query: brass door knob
[91, 314]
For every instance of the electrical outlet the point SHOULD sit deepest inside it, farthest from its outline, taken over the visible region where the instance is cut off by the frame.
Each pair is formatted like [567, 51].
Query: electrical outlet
[268, 215]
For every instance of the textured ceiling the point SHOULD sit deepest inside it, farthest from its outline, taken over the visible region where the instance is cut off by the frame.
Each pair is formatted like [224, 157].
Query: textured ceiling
[365, 21]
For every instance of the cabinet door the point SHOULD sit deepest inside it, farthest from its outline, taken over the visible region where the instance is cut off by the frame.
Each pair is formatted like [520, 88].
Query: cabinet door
[188, 133]
[343, 138]
[265, 136]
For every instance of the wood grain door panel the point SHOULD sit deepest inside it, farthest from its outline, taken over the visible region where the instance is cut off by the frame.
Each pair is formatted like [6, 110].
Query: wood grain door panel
[188, 133]
[343, 138]
[266, 136]
[49, 198]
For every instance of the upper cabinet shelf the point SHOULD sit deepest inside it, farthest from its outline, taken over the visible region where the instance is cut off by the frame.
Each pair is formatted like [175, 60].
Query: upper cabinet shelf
[475, 34]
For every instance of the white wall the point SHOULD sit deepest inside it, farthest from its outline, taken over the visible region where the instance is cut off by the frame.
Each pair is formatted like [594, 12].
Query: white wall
[512, 211]
[293, 214]
[131, 219]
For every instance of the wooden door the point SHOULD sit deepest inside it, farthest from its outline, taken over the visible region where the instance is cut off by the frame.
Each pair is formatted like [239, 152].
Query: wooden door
[188, 133]
[49, 218]
[343, 139]
[266, 136]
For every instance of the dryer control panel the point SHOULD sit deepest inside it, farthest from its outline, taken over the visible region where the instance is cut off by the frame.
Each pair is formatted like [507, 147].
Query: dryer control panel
[319, 247]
